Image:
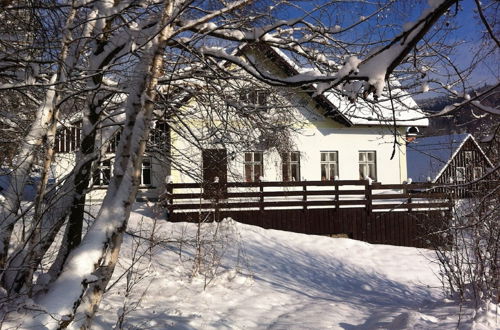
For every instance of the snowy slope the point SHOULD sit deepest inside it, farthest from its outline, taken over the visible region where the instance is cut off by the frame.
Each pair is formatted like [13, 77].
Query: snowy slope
[277, 280]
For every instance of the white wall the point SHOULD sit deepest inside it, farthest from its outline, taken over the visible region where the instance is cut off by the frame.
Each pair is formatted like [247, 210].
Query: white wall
[64, 163]
[347, 142]
[320, 135]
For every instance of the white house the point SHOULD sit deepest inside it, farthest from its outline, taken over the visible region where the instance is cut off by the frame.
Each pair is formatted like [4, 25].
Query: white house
[331, 138]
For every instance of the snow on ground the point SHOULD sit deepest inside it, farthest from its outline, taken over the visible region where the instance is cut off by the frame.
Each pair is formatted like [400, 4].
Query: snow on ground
[274, 279]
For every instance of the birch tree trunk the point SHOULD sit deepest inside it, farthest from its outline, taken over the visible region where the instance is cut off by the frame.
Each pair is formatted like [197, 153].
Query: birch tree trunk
[72, 194]
[20, 174]
[18, 272]
[73, 298]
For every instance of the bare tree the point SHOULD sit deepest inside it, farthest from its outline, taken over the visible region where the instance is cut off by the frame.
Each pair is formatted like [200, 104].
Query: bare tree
[122, 63]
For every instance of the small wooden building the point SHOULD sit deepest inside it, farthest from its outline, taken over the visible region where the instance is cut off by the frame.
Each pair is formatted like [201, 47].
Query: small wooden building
[457, 159]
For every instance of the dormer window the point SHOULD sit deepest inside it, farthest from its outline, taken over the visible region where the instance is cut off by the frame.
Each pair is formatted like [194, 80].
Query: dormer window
[255, 97]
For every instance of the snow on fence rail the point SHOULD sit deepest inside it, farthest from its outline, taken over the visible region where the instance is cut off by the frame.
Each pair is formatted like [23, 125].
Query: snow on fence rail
[246, 196]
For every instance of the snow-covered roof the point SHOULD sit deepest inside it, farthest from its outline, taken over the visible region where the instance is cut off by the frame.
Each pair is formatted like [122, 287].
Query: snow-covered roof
[368, 112]
[363, 112]
[428, 157]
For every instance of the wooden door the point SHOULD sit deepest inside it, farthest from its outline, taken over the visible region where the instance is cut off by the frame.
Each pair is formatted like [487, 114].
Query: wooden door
[215, 173]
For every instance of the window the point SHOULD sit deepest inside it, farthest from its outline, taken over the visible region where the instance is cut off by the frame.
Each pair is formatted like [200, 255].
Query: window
[468, 156]
[460, 174]
[329, 165]
[145, 179]
[367, 165]
[113, 142]
[159, 137]
[477, 173]
[291, 166]
[102, 174]
[68, 138]
[256, 97]
[253, 164]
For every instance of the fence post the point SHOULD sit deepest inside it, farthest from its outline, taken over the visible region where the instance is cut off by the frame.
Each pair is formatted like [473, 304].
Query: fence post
[409, 201]
[336, 197]
[217, 208]
[261, 199]
[368, 194]
[170, 200]
[304, 197]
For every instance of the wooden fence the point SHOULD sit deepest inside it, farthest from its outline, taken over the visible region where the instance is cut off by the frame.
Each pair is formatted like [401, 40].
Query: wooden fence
[377, 213]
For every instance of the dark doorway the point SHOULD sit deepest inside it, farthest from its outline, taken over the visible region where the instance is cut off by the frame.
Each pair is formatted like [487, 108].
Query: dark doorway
[215, 173]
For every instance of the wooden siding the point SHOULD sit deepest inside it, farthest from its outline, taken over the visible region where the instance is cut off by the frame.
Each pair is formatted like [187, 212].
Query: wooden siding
[449, 177]
[400, 228]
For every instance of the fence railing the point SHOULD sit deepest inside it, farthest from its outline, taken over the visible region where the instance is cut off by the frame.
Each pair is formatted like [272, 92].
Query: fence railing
[190, 197]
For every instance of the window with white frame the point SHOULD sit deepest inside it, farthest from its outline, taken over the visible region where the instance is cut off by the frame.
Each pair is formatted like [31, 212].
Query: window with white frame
[255, 97]
[460, 174]
[102, 173]
[253, 166]
[468, 156]
[368, 165]
[329, 165]
[291, 166]
[68, 138]
[145, 179]
[477, 173]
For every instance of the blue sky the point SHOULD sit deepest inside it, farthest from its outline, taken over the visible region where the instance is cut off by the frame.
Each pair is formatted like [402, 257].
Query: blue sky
[469, 29]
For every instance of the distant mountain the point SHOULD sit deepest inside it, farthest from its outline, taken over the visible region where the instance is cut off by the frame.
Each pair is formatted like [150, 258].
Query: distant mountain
[436, 104]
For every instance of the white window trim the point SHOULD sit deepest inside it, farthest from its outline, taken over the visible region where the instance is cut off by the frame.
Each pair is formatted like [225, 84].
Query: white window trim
[288, 163]
[328, 163]
[253, 163]
[480, 175]
[367, 162]
[150, 167]
[468, 155]
[99, 168]
[460, 173]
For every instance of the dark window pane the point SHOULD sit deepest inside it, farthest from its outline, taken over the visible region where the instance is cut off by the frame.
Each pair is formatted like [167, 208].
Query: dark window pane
[332, 172]
[295, 172]
[362, 171]
[262, 97]
[248, 173]
[106, 175]
[146, 176]
[373, 174]
[97, 177]
[286, 176]
[257, 172]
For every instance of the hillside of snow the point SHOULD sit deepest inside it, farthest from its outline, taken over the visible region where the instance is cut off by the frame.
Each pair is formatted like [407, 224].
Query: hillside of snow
[245, 277]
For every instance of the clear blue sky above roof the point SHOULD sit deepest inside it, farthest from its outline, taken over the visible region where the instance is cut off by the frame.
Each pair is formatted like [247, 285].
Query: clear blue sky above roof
[462, 25]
